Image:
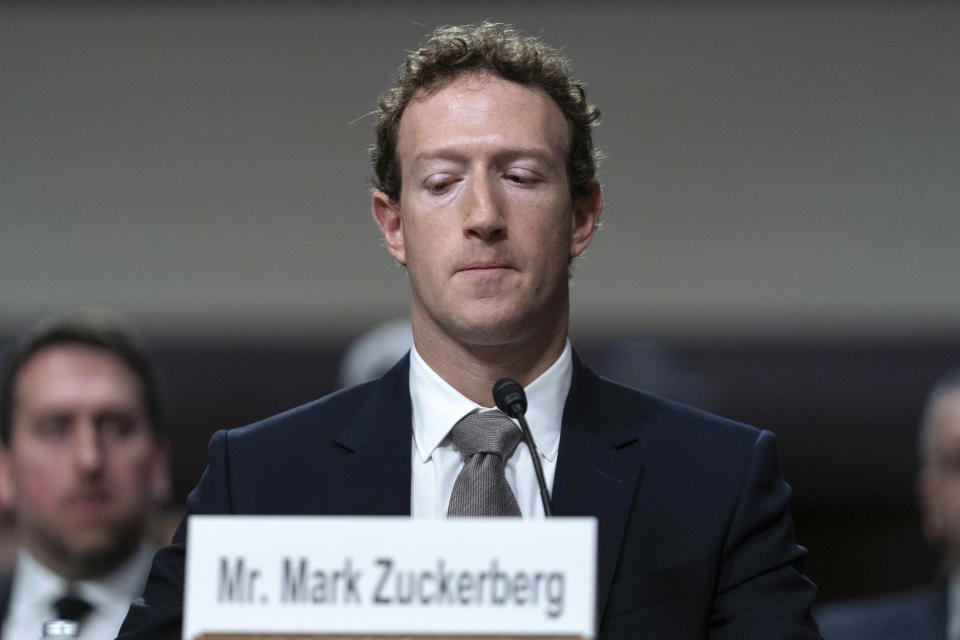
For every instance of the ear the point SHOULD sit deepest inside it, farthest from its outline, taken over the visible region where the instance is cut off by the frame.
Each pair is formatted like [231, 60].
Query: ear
[586, 218]
[159, 480]
[386, 213]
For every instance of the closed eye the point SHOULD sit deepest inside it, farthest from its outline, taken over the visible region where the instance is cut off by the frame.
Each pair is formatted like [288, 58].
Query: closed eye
[522, 177]
[439, 183]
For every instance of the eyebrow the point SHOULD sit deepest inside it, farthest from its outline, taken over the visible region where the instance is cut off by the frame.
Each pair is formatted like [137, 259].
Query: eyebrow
[454, 153]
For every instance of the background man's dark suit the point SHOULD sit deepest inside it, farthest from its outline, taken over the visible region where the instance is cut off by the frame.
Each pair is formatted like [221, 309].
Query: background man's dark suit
[6, 586]
[694, 527]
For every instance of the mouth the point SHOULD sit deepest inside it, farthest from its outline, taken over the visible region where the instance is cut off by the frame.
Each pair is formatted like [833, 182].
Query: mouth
[88, 499]
[484, 266]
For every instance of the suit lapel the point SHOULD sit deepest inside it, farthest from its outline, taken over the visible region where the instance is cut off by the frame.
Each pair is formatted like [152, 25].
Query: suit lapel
[373, 478]
[596, 474]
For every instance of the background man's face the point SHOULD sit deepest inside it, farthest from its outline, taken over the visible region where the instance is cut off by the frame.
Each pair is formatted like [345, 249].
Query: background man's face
[486, 223]
[83, 468]
[940, 481]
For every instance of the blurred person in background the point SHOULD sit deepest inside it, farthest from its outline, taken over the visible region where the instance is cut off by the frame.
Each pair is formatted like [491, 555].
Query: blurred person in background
[374, 352]
[930, 612]
[83, 465]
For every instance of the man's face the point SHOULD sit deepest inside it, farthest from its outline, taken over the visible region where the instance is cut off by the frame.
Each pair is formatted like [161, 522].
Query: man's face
[486, 225]
[83, 468]
[940, 481]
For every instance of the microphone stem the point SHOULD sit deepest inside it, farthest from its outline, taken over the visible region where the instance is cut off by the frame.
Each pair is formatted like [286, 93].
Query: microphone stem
[528, 438]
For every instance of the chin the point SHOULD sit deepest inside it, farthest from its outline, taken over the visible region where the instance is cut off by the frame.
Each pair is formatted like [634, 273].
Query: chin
[103, 538]
[95, 553]
[494, 332]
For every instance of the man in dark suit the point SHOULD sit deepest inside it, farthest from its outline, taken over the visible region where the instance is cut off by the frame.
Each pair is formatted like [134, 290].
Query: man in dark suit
[485, 192]
[930, 612]
[83, 464]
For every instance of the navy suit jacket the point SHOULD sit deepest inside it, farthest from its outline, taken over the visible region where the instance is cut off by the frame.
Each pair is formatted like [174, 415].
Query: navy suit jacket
[695, 534]
[917, 614]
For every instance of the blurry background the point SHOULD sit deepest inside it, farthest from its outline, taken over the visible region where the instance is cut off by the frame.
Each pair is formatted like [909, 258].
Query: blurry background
[780, 236]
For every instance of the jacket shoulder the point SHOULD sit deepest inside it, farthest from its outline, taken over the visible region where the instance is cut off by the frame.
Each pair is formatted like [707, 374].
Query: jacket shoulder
[626, 412]
[324, 420]
[322, 415]
[278, 465]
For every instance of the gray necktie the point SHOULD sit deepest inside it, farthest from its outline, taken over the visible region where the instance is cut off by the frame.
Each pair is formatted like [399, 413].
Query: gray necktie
[485, 441]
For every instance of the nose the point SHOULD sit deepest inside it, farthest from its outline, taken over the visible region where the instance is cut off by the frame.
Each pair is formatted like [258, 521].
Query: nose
[88, 448]
[484, 213]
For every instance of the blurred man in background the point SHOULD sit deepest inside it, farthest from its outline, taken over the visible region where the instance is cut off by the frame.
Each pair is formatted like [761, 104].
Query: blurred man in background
[375, 352]
[931, 612]
[83, 465]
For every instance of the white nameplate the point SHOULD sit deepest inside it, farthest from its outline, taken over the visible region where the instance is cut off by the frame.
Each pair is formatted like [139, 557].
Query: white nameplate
[390, 575]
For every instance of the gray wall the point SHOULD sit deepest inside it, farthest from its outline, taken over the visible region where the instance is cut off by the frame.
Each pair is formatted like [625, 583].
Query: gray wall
[772, 167]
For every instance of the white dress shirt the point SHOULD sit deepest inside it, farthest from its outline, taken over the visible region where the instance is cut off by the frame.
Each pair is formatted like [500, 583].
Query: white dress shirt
[437, 407]
[36, 588]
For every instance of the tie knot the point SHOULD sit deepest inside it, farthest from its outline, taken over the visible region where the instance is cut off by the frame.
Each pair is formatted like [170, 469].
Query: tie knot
[71, 607]
[485, 432]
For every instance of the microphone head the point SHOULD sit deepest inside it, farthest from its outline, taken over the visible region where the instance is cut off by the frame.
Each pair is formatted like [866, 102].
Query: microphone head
[510, 397]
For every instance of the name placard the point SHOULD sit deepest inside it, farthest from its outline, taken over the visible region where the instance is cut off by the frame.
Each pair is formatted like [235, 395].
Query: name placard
[389, 576]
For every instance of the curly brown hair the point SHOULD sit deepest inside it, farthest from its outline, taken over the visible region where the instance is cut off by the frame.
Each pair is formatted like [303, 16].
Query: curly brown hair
[500, 49]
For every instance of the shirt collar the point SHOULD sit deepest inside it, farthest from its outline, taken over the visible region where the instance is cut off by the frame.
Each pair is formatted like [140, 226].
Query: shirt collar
[35, 587]
[437, 406]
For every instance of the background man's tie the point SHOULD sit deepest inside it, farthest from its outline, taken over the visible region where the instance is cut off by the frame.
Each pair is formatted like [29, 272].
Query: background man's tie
[486, 441]
[71, 607]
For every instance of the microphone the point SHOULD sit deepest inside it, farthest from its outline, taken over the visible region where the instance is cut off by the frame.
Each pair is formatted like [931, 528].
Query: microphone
[512, 400]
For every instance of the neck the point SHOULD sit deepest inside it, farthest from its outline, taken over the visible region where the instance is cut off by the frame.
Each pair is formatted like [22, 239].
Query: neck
[472, 369]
